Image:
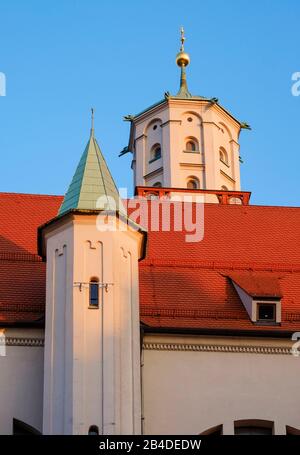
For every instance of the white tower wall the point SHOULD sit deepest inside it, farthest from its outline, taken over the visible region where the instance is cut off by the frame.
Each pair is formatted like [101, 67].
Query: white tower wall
[92, 355]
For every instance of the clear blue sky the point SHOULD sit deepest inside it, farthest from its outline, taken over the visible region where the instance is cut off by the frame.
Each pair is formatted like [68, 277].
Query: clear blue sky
[62, 57]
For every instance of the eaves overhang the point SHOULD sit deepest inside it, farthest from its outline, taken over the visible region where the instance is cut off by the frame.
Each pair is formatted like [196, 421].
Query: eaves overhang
[64, 217]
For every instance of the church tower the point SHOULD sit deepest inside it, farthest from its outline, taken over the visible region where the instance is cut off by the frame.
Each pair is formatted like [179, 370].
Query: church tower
[185, 141]
[92, 343]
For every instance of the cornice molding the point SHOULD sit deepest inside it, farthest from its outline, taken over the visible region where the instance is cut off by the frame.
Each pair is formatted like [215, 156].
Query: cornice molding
[154, 173]
[237, 349]
[154, 109]
[16, 341]
[142, 136]
[170, 121]
[223, 265]
[227, 176]
[20, 257]
[234, 142]
[211, 124]
[191, 165]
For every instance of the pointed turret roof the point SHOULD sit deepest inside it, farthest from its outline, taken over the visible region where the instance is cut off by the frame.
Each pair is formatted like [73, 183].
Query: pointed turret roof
[91, 181]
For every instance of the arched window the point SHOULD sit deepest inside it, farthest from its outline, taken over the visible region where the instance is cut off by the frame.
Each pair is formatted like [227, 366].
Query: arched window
[193, 183]
[224, 188]
[214, 431]
[94, 293]
[253, 427]
[155, 153]
[292, 431]
[157, 185]
[191, 145]
[223, 156]
[93, 430]
[253, 430]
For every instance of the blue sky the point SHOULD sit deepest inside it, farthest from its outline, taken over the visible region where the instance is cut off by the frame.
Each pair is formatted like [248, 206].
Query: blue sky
[62, 57]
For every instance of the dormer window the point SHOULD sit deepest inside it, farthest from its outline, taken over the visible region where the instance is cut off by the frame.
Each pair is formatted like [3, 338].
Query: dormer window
[266, 312]
[155, 153]
[260, 294]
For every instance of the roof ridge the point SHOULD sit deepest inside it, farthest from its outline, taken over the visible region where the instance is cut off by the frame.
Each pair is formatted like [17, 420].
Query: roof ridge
[224, 265]
[2, 193]
[20, 257]
[99, 165]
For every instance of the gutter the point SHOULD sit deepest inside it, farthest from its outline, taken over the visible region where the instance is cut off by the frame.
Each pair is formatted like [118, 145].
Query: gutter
[24, 324]
[219, 332]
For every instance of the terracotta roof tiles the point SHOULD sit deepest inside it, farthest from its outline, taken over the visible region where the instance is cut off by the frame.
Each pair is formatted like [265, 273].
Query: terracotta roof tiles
[182, 285]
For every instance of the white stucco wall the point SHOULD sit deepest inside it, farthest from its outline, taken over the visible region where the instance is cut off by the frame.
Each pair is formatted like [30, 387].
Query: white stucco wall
[189, 391]
[92, 355]
[21, 380]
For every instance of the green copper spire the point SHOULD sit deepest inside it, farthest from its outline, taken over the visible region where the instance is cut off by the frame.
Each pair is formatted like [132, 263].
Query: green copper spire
[92, 180]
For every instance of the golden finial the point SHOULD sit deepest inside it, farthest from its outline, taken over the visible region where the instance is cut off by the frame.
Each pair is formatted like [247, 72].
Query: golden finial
[182, 58]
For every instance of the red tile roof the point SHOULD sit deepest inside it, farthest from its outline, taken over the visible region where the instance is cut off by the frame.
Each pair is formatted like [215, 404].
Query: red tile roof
[21, 215]
[22, 273]
[182, 285]
[186, 285]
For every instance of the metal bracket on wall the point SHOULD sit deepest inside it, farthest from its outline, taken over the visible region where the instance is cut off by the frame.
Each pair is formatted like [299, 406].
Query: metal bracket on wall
[81, 285]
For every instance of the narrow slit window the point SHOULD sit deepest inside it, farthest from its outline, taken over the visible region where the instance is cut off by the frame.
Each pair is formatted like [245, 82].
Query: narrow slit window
[94, 294]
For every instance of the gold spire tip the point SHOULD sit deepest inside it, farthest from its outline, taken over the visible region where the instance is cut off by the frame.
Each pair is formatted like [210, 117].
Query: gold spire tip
[182, 58]
[182, 39]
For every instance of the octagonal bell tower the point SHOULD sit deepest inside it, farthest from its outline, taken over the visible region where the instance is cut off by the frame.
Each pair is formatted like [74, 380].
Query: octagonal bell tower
[185, 141]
